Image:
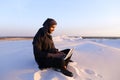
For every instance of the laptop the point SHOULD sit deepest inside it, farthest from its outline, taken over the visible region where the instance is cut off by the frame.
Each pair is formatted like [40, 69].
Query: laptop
[69, 54]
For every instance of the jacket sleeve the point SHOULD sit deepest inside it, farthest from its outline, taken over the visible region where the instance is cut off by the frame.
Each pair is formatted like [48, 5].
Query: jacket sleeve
[38, 52]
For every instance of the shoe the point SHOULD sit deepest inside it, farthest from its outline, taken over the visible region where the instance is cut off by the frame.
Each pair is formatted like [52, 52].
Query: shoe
[66, 72]
[56, 69]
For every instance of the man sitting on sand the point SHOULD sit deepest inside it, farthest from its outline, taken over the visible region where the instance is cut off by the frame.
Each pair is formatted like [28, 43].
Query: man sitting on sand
[45, 53]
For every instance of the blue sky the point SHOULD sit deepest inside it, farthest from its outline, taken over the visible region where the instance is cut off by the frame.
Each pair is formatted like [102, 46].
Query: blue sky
[74, 17]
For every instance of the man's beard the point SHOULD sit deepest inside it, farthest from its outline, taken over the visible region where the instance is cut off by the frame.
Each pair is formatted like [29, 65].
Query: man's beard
[50, 31]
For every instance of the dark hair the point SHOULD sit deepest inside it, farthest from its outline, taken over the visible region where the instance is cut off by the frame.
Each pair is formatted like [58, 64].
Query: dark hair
[49, 22]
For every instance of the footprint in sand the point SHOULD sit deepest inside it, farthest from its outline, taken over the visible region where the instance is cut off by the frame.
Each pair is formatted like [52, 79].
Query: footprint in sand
[92, 73]
[100, 76]
[85, 74]
[88, 79]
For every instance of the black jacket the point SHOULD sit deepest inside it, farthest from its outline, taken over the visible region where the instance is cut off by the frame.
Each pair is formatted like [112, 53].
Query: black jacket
[42, 45]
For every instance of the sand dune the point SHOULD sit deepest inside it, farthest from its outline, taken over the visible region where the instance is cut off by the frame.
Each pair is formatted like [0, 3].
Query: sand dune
[93, 60]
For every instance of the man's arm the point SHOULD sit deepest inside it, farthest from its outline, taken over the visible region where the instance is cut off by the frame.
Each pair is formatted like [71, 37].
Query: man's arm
[56, 55]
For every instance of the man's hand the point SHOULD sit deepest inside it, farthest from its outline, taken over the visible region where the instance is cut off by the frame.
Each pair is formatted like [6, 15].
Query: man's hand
[61, 52]
[56, 55]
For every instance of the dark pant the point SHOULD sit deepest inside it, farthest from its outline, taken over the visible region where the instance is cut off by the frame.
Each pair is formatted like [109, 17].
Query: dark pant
[57, 62]
[66, 52]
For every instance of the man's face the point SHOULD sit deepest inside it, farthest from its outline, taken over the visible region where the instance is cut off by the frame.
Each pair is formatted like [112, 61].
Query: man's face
[52, 28]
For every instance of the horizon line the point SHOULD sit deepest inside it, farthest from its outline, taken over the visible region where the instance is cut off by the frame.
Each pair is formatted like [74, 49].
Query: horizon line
[84, 37]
